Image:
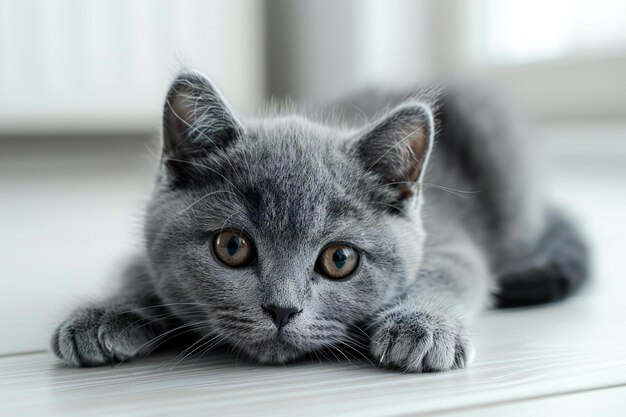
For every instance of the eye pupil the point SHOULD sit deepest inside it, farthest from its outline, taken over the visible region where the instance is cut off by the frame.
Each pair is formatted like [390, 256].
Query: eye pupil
[234, 243]
[339, 258]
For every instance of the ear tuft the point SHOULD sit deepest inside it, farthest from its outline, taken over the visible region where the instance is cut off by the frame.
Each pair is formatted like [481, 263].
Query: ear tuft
[397, 147]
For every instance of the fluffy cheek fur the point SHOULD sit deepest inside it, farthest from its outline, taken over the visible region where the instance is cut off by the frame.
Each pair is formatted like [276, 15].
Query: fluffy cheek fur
[409, 235]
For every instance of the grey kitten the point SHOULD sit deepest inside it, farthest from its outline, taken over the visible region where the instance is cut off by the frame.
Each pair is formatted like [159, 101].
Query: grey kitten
[283, 236]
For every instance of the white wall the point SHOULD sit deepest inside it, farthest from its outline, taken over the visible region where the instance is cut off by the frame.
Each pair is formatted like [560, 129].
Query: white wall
[104, 65]
[561, 62]
[70, 215]
[321, 50]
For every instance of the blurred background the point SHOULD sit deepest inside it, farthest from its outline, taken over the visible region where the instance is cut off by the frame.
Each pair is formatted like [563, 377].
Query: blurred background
[82, 85]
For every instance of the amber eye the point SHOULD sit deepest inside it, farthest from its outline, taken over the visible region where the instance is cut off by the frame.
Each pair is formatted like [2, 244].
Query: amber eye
[234, 248]
[338, 261]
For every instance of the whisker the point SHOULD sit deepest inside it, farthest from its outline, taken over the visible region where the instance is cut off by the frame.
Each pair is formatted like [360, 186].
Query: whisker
[393, 147]
[393, 207]
[163, 305]
[198, 343]
[354, 326]
[213, 345]
[202, 198]
[458, 193]
[344, 355]
[153, 319]
[210, 169]
[154, 339]
[353, 349]
[226, 221]
[170, 337]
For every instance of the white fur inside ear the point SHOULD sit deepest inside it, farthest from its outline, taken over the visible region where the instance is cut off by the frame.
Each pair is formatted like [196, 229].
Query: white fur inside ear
[181, 105]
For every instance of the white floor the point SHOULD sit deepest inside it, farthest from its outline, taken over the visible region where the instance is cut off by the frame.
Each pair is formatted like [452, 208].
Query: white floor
[562, 359]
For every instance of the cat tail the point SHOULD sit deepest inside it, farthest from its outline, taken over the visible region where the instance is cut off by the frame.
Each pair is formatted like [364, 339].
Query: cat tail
[557, 267]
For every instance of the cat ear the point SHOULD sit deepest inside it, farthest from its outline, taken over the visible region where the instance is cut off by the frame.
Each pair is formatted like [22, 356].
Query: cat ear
[397, 147]
[196, 117]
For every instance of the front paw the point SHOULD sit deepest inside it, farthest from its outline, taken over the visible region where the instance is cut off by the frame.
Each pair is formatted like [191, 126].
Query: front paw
[97, 336]
[419, 342]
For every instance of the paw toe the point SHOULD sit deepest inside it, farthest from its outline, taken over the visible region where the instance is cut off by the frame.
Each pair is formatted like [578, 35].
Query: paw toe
[76, 341]
[462, 353]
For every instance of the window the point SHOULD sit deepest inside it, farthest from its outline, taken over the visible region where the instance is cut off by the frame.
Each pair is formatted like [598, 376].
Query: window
[523, 31]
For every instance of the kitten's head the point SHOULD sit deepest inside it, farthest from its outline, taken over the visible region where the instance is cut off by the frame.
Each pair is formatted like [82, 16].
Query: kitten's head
[280, 235]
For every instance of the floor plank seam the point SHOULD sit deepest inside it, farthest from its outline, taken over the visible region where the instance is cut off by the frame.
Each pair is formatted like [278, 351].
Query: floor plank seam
[26, 353]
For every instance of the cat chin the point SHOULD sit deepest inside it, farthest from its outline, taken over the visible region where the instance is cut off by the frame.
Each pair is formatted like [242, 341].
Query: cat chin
[273, 353]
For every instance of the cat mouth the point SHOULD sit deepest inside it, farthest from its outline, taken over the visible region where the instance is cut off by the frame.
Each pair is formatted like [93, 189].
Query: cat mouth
[277, 349]
[279, 337]
[277, 354]
[280, 340]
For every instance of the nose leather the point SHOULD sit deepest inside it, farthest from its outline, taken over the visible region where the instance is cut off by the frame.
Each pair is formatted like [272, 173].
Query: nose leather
[281, 315]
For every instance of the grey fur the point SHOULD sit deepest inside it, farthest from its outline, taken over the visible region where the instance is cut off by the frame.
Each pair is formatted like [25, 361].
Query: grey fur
[433, 229]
